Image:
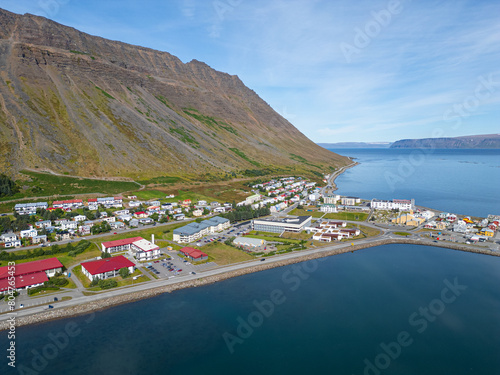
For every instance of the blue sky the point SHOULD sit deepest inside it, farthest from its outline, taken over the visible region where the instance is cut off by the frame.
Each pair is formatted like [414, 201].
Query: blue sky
[339, 70]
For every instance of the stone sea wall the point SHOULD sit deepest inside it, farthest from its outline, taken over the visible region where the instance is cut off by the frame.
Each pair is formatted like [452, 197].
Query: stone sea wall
[134, 296]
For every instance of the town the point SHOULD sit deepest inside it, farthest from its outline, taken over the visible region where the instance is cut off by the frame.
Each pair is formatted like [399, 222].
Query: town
[66, 249]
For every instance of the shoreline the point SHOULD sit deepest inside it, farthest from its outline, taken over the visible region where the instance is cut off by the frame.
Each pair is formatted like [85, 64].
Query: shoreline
[105, 303]
[339, 172]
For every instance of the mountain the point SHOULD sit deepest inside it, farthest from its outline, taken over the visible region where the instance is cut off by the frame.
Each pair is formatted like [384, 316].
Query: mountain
[82, 105]
[355, 145]
[471, 141]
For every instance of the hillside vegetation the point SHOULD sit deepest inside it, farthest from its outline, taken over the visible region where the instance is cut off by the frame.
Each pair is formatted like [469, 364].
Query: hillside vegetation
[83, 105]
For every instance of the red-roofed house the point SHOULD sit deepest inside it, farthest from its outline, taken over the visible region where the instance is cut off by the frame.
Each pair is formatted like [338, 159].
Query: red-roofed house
[29, 274]
[119, 245]
[193, 254]
[140, 214]
[107, 267]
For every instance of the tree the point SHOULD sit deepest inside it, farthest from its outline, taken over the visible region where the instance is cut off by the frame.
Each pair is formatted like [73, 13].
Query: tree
[7, 186]
[105, 254]
[124, 272]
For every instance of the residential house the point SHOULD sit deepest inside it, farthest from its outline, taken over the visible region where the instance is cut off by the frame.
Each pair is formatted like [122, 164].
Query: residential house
[8, 237]
[63, 236]
[80, 218]
[39, 239]
[28, 233]
[350, 201]
[117, 225]
[84, 230]
[179, 217]
[43, 224]
[30, 208]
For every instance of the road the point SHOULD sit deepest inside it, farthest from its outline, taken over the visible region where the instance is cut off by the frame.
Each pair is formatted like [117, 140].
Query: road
[91, 237]
[333, 176]
[78, 297]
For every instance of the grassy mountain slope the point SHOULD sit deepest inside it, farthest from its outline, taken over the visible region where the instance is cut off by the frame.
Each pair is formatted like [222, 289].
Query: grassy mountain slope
[80, 104]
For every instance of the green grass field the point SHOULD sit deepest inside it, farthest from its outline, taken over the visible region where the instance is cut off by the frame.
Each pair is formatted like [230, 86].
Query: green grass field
[180, 195]
[45, 184]
[352, 216]
[223, 254]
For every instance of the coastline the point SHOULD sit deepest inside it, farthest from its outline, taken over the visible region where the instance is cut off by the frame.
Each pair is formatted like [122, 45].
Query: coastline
[332, 179]
[104, 303]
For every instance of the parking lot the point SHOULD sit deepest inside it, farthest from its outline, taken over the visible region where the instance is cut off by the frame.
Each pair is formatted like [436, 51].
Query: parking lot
[233, 231]
[175, 266]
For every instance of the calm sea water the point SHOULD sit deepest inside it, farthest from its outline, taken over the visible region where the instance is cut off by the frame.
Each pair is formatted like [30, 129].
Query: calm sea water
[459, 181]
[329, 317]
[394, 309]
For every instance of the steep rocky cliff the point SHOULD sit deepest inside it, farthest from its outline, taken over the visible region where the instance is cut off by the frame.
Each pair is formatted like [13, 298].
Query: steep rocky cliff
[80, 104]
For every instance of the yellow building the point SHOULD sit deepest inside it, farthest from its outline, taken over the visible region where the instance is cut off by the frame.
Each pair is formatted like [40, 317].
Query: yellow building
[487, 232]
[407, 219]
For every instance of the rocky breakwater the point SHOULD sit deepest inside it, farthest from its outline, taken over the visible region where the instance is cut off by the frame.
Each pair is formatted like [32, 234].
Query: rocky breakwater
[103, 303]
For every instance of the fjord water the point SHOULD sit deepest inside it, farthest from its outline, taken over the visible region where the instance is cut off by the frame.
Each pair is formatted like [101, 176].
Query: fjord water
[459, 181]
[334, 317]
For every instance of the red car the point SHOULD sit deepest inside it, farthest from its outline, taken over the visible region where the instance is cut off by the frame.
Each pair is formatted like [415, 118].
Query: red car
[115, 233]
[179, 270]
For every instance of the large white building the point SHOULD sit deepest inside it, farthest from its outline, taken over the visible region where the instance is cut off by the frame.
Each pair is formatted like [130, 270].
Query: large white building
[282, 225]
[142, 249]
[399, 204]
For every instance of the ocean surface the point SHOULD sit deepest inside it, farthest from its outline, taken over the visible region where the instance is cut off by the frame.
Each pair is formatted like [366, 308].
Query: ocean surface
[458, 181]
[393, 309]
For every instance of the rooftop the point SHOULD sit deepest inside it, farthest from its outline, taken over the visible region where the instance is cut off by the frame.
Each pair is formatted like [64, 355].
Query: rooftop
[107, 264]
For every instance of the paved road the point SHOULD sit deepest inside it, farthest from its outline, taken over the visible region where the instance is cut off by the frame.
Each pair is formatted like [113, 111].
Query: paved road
[76, 300]
[187, 220]
[333, 176]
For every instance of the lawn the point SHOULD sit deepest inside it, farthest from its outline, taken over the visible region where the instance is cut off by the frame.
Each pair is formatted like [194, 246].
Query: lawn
[269, 236]
[223, 254]
[352, 216]
[404, 234]
[64, 258]
[162, 234]
[45, 184]
[77, 271]
[367, 231]
[148, 194]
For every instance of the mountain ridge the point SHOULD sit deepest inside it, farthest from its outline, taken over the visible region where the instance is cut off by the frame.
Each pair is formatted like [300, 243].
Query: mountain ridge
[483, 141]
[81, 104]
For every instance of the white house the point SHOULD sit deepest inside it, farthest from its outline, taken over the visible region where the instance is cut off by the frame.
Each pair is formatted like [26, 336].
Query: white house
[80, 218]
[8, 237]
[329, 208]
[28, 233]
